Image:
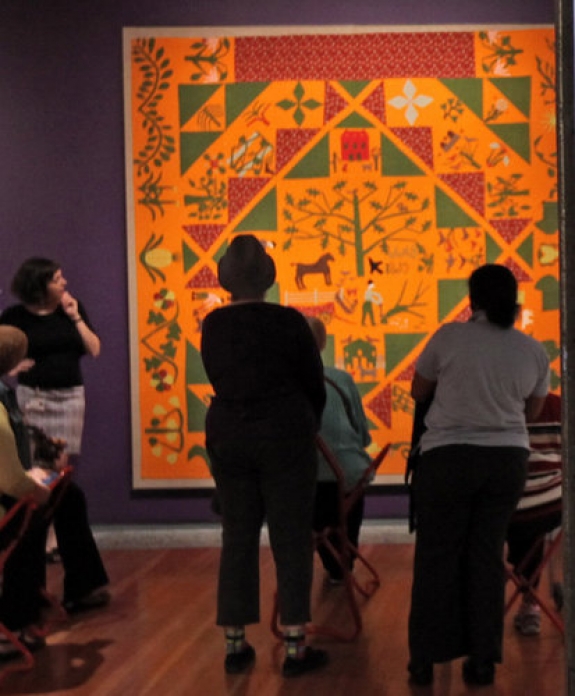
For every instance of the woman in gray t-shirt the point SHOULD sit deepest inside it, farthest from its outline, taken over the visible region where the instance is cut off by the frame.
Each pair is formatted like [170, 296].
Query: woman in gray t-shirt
[486, 379]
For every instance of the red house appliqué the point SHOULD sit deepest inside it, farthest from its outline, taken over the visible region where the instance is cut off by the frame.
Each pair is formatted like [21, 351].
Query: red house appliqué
[354, 146]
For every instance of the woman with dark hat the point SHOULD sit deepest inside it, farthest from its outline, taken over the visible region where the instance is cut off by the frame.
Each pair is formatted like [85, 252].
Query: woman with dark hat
[267, 376]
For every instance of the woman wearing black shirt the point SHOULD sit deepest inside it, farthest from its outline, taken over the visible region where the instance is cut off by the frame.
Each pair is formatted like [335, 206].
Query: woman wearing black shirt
[50, 394]
[267, 375]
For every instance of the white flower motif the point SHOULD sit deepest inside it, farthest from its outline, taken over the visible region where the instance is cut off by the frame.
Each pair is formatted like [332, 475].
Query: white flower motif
[410, 101]
[500, 68]
[212, 43]
[492, 37]
[212, 76]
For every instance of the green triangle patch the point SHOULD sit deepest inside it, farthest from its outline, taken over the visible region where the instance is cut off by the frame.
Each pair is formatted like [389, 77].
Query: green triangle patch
[492, 249]
[239, 95]
[262, 217]
[394, 162]
[450, 293]
[313, 165]
[398, 347]
[189, 257]
[196, 413]
[549, 223]
[516, 136]
[517, 90]
[191, 98]
[354, 87]
[221, 251]
[328, 353]
[449, 214]
[469, 91]
[525, 250]
[364, 388]
[193, 146]
[195, 373]
[355, 121]
[273, 294]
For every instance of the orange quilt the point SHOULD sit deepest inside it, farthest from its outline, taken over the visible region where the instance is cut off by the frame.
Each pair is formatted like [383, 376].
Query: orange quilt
[379, 167]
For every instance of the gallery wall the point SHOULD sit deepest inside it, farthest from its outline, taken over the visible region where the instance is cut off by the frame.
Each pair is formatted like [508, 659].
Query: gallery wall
[62, 191]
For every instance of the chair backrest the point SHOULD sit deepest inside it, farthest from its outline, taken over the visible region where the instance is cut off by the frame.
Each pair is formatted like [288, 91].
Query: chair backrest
[543, 488]
[349, 497]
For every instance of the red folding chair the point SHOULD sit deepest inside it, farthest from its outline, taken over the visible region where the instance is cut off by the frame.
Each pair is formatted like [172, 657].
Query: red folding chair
[13, 526]
[343, 550]
[538, 518]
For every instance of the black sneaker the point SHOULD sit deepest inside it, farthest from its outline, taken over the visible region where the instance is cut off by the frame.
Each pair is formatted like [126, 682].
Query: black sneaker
[312, 659]
[420, 674]
[94, 600]
[478, 673]
[240, 661]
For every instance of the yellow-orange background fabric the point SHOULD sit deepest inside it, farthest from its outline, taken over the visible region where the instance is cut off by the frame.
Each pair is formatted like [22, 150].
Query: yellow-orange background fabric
[378, 168]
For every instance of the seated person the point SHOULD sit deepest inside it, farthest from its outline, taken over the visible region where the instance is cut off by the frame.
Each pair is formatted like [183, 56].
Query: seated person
[344, 429]
[545, 459]
[22, 578]
[85, 577]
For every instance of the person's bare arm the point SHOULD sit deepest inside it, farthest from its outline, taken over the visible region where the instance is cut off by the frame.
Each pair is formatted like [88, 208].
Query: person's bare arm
[533, 407]
[89, 338]
[421, 388]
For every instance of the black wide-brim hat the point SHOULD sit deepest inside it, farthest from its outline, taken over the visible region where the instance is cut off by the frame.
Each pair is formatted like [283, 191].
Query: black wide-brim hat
[246, 270]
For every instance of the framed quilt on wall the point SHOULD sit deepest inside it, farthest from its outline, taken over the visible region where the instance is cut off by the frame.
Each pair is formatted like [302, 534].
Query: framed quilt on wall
[379, 166]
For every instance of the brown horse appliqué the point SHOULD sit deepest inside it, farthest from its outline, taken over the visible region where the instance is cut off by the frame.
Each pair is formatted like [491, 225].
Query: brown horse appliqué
[321, 266]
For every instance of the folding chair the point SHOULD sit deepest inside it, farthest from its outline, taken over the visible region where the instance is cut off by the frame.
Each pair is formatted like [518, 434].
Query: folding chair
[345, 550]
[13, 526]
[538, 517]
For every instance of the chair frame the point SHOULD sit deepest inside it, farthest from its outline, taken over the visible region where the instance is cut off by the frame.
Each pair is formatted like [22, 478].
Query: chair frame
[526, 586]
[58, 487]
[540, 502]
[346, 551]
[27, 507]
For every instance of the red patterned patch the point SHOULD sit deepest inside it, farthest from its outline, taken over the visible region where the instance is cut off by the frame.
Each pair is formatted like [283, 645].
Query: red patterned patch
[324, 311]
[419, 140]
[470, 186]
[518, 272]
[407, 374]
[375, 103]
[381, 406]
[510, 229]
[241, 192]
[289, 141]
[355, 56]
[334, 103]
[204, 278]
[204, 235]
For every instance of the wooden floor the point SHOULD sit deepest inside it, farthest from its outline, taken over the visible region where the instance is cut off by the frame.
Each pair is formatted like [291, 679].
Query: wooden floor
[157, 638]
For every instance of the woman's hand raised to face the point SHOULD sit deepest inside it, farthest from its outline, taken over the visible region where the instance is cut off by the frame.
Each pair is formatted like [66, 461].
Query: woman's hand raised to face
[70, 306]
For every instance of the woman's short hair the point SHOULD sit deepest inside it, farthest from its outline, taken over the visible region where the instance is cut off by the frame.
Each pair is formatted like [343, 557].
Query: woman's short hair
[30, 284]
[13, 347]
[493, 289]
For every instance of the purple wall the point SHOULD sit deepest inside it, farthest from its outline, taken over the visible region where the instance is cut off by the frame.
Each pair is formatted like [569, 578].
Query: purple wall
[62, 182]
